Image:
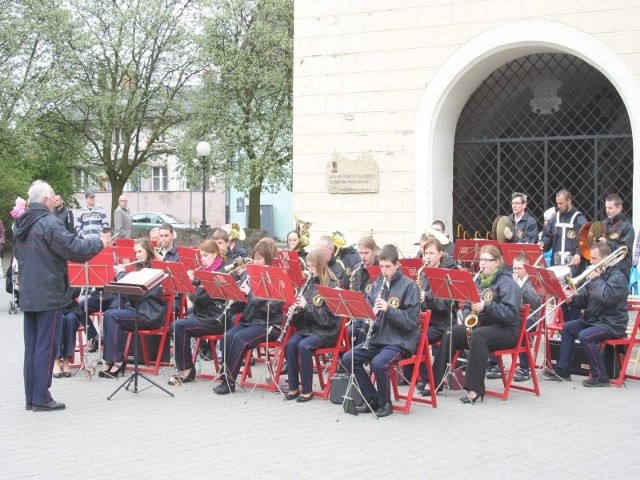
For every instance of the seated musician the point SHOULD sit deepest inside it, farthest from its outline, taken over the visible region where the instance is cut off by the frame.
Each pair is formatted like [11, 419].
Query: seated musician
[257, 315]
[498, 313]
[168, 250]
[394, 334]
[316, 327]
[66, 344]
[229, 248]
[529, 297]
[204, 318]
[359, 281]
[604, 303]
[325, 243]
[151, 311]
[293, 237]
[443, 312]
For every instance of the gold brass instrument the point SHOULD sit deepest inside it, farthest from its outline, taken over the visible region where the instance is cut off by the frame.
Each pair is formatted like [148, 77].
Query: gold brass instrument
[339, 240]
[589, 233]
[471, 321]
[502, 225]
[608, 261]
[438, 235]
[235, 231]
[352, 277]
[237, 264]
[302, 227]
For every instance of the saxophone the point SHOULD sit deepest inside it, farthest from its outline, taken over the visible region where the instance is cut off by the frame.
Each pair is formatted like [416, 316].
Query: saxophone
[352, 277]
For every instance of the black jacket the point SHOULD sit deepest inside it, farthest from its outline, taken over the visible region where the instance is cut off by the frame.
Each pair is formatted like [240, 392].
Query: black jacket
[66, 216]
[442, 311]
[42, 246]
[619, 232]
[257, 311]
[359, 279]
[398, 326]
[339, 272]
[350, 259]
[207, 310]
[532, 298]
[526, 229]
[604, 300]
[502, 303]
[316, 319]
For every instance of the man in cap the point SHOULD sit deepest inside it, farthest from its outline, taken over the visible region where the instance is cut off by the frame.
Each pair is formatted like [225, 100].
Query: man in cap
[92, 218]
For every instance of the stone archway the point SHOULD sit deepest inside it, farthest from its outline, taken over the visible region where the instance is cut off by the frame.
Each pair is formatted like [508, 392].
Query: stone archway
[459, 76]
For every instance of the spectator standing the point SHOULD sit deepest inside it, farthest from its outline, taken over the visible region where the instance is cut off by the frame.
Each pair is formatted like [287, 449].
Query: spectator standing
[91, 219]
[63, 213]
[122, 218]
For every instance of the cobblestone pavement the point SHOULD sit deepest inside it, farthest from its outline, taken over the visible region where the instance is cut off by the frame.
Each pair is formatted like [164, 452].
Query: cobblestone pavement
[567, 432]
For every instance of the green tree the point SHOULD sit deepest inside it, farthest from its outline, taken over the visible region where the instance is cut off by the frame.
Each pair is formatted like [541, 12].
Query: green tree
[245, 106]
[124, 81]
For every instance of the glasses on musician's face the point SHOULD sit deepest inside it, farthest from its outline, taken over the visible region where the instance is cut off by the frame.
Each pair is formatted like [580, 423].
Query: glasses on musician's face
[487, 260]
[517, 203]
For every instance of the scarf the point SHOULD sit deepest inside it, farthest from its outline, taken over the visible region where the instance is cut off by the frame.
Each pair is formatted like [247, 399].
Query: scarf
[487, 280]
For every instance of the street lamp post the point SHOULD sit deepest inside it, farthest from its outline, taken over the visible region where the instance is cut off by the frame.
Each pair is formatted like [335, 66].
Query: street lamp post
[203, 149]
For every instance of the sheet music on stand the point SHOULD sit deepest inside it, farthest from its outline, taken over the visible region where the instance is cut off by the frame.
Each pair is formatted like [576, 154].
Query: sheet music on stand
[138, 282]
[189, 257]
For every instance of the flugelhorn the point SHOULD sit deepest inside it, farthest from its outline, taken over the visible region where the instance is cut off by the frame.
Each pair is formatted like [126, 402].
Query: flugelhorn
[610, 260]
[237, 264]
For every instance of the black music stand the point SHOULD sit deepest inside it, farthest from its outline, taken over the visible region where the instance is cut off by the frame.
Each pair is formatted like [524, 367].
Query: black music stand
[137, 284]
[223, 286]
[95, 273]
[349, 304]
[273, 284]
[455, 286]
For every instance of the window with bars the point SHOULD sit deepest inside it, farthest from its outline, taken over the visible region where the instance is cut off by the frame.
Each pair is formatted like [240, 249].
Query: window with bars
[538, 124]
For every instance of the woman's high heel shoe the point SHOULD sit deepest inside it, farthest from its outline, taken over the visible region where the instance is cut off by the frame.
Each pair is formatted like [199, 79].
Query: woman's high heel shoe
[472, 401]
[105, 373]
[114, 374]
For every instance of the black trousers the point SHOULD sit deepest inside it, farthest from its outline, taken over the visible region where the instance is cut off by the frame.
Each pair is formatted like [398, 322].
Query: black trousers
[483, 340]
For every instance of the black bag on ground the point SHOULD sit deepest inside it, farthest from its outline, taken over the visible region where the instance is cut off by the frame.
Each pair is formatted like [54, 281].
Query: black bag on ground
[339, 384]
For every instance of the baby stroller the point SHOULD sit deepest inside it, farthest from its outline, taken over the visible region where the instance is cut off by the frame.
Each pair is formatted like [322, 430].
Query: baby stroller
[11, 286]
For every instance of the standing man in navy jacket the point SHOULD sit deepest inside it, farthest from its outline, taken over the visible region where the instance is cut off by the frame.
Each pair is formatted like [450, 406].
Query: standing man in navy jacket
[42, 247]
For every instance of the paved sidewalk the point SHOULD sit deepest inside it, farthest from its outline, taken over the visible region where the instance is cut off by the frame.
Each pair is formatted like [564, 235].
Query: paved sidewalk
[567, 432]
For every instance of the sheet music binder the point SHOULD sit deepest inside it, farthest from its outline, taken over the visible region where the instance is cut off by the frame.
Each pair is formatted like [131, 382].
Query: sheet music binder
[137, 283]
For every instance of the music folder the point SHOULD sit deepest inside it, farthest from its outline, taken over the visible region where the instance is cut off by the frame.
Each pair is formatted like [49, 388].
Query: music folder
[137, 283]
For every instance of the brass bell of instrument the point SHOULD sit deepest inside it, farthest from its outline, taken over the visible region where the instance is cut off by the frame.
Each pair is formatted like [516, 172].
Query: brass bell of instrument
[589, 233]
[339, 240]
[302, 227]
[235, 231]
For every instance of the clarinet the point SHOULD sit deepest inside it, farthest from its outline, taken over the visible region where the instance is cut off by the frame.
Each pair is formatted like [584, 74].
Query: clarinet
[292, 311]
[379, 317]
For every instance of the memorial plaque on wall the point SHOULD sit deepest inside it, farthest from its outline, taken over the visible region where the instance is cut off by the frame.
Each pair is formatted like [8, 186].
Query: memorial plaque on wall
[359, 175]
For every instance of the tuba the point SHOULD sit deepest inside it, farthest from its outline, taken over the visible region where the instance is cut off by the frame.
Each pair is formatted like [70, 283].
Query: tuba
[235, 231]
[302, 227]
[339, 240]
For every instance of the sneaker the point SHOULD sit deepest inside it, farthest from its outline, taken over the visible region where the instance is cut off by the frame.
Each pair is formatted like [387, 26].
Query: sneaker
[522, 375]
[556, 375]
[596, 382]
[493, 372]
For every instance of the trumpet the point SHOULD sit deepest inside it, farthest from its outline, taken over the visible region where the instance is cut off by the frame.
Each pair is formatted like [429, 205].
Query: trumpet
[237, 264]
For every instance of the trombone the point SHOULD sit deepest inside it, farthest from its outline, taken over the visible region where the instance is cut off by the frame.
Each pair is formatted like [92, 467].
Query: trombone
[575, 284]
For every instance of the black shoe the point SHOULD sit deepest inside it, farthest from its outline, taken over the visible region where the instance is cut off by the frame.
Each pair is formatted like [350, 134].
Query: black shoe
[556, 375]
[522, 375]
[596, 382]
[93, 348]
[494, 372]
[305, 398]
[472, 401]
[420, 386]
[364, 408]
[224, 388]
[385, 410]
[28, 406]
[47, 407]
[427, 392]
[292, 396]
